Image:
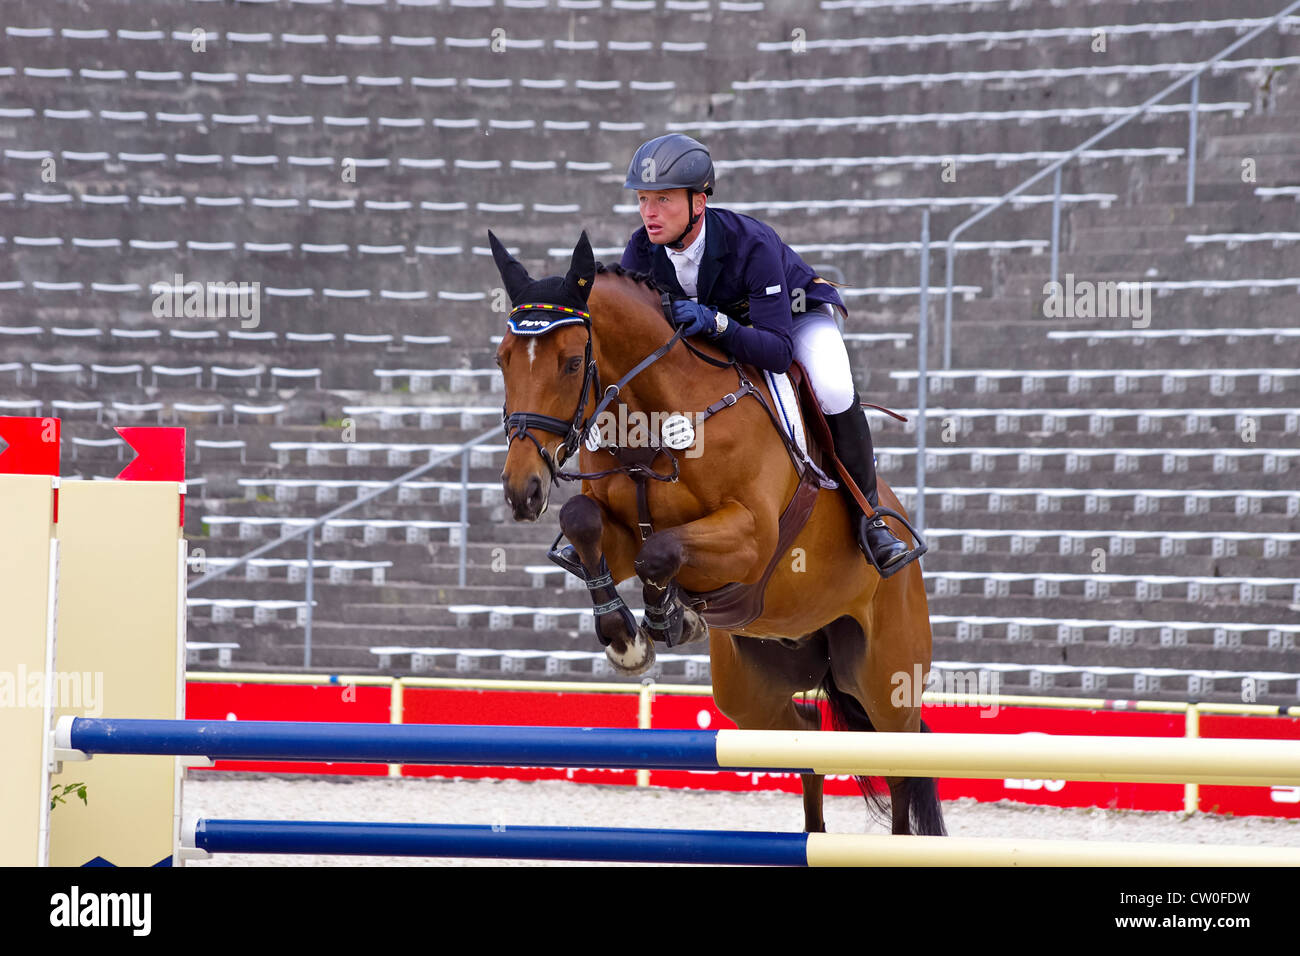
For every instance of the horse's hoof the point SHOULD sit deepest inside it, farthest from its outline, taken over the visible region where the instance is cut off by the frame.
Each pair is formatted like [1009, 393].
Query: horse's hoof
[638, 659]
[694, 629]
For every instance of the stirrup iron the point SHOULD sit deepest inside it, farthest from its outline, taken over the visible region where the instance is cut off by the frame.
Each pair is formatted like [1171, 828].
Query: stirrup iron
[908, 556]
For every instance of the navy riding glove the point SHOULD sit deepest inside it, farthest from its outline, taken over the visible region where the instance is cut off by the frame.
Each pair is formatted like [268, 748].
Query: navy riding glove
[695, 319]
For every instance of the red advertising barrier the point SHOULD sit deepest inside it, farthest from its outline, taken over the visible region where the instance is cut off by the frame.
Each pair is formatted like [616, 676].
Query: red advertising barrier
[524, 709]
[1060, 793]
[337, 703]
[350, 703]
[1251, 801]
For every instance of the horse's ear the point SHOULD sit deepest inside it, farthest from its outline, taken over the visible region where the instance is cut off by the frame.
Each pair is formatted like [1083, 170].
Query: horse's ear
[582, 269]
[512, 272]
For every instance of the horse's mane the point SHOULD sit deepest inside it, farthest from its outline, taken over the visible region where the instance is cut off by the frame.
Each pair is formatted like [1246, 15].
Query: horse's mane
[641, 278]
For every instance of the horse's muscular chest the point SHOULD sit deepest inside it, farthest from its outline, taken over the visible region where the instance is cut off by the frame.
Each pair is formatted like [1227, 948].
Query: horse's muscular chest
[671, 504]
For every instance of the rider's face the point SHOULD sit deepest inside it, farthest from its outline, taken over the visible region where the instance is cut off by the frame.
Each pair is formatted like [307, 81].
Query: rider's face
[665, 212]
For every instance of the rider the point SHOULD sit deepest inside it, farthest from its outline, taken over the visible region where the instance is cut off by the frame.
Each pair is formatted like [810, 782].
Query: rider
[738, 278]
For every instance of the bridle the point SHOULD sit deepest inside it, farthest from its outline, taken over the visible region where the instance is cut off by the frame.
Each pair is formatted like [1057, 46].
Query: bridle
[518, 424]
[521, 424]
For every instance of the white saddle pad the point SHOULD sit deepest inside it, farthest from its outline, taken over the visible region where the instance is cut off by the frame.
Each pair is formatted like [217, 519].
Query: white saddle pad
[787, 407]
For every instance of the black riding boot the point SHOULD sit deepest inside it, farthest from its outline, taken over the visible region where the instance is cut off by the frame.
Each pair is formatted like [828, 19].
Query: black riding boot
[852, 438]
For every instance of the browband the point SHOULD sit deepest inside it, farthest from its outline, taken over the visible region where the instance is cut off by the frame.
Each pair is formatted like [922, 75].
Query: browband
[540, 325]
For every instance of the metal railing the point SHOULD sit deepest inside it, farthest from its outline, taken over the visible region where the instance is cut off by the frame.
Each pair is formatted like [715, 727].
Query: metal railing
[463, 451]
[1054, 169]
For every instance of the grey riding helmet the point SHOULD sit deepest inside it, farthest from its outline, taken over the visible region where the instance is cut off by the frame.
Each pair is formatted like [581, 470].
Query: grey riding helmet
[672, 161]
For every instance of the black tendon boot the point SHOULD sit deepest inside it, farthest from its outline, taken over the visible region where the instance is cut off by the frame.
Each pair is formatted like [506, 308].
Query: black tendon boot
[852, 439]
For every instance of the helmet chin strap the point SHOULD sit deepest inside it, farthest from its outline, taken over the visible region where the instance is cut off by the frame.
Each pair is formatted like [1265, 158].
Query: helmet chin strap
[677, 243]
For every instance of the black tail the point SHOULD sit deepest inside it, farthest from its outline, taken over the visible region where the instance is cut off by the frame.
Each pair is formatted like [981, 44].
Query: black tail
[847, 714]
[923, 799]
[921, 793]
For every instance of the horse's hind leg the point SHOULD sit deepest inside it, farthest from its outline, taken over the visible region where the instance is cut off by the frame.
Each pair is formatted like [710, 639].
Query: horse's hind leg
[754, 683]
[875, 668]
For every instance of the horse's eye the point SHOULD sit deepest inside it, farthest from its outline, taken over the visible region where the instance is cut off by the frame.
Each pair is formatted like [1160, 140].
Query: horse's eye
[573, 366]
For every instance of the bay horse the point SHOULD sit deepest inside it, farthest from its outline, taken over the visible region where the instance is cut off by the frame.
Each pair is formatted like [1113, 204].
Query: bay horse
[828, 620]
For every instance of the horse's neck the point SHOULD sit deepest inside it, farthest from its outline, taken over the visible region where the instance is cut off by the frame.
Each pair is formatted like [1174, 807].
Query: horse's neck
[623, 340]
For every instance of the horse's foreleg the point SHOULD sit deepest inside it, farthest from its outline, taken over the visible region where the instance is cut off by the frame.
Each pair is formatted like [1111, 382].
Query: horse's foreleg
[721, 541]
[721, 545]
[583, 522]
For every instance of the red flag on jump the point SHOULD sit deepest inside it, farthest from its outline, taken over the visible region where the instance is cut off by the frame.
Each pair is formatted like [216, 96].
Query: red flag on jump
[160, 456]
[33, 445]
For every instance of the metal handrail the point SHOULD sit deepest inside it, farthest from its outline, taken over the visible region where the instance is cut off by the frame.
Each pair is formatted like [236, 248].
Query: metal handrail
[1055, 167]
[310, 529]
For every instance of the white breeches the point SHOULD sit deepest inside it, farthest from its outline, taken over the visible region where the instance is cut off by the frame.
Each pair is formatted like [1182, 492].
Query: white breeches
[819, 348]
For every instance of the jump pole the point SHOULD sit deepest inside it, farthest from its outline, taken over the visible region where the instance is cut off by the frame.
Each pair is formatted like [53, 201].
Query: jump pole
[202, 838]
[991, 756]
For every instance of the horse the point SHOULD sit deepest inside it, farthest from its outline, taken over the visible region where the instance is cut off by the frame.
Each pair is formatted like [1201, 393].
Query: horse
[828, 620]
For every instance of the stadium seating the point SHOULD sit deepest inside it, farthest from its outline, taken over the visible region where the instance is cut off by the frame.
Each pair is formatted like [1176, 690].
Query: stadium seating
[1114, 497]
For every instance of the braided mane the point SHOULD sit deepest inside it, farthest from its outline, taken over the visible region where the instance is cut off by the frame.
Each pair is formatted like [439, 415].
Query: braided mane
[641, 278]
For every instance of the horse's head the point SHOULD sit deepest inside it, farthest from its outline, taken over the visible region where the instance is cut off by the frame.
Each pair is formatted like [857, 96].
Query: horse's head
[546, 358]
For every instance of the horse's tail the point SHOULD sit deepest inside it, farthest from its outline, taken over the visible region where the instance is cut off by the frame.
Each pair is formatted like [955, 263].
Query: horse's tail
[847, 714]
[921, 793]
[923, 800]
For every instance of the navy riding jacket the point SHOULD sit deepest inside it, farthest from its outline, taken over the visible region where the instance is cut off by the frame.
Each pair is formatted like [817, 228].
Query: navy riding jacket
[748, 274]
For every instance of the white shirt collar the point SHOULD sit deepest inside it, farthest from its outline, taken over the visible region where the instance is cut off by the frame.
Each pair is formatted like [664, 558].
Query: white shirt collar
[695, 251]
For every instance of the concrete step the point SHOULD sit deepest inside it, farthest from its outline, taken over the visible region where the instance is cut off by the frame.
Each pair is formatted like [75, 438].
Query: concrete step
[1220, 215]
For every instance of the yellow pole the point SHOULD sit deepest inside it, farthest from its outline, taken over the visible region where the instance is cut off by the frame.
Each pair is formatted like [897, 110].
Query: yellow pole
[1224, 762]
[645, 703]
[841, 849]
[1192, 729]
[396, 702]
